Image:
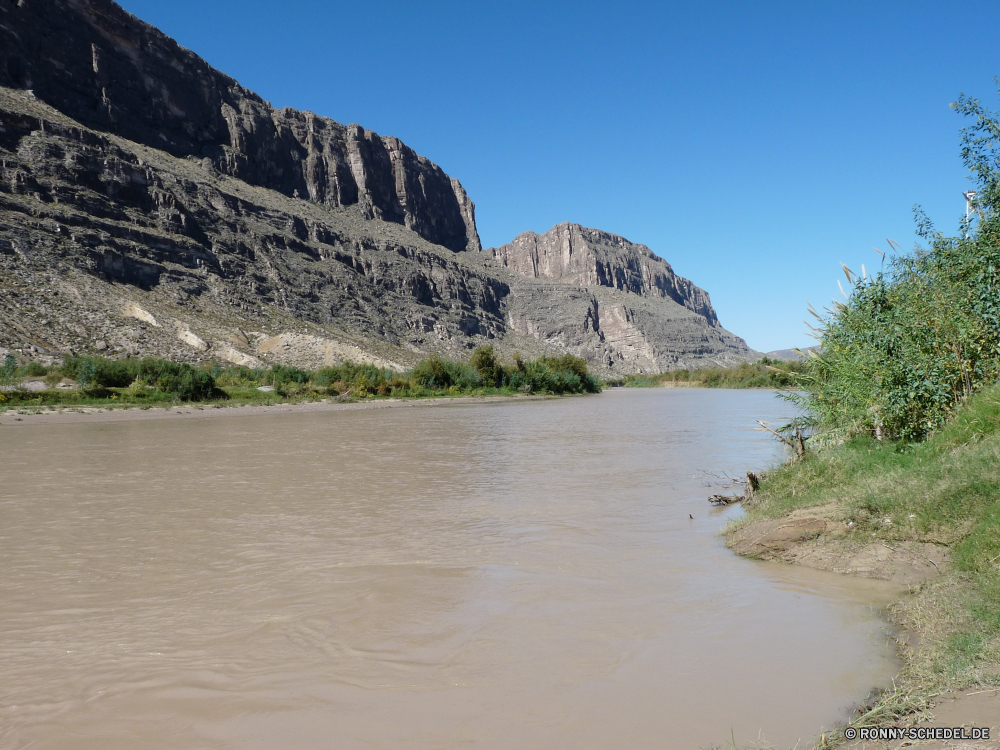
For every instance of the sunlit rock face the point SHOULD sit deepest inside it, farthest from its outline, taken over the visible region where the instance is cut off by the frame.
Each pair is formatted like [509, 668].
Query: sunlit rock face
[629, 311]
[580, 256]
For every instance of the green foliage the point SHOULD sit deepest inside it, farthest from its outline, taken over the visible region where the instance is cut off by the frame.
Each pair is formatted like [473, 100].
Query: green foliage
[766, 373]
[363, 379]
[284, 374]
[484, 362]
[436, 374]
[155, 380]
[33, 370]
[915, 340]
[9, 368]
[180, 380]
[911, 342]
[84, 370]
[565, 374]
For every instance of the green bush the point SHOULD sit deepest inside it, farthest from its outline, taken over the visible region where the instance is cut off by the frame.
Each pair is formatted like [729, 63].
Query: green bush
[178, 379]
[367, 378]
[918, 338]
[33, 370]
[766, 373]
[151, 380]
[436, 374]
[484, 362]
[282, 374]
[9, 368]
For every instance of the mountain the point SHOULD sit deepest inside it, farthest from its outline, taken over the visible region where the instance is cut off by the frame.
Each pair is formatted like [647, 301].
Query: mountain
[619, 305]
[791, 355]
[150, 205]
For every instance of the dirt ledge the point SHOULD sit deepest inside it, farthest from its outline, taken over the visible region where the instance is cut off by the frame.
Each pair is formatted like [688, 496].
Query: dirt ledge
[816, 538]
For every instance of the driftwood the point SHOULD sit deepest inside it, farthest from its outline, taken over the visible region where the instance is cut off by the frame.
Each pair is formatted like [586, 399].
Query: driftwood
[797, 443]
[725, 499]
[750, 486]
[344, 396]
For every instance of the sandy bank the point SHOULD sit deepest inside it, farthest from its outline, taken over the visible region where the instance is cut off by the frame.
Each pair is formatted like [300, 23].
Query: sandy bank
[815, 538]
[75, 415]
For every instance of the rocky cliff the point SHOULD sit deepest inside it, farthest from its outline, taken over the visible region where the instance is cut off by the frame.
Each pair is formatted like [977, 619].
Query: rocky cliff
[150, 205]
[613, 301]
[576, 255]
[109, 71]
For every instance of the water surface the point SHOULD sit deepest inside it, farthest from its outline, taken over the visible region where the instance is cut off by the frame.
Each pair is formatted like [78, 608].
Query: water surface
[465, 576]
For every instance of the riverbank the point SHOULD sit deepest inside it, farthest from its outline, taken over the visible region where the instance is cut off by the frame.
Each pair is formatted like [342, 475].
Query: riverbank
[765, 373]
[926, 516]
[88, 383]
[131, 413]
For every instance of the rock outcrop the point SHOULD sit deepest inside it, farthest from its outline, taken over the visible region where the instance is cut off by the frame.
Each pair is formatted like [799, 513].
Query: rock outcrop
[614, 302]
[586, 257]
[150, 205]
[109, 71]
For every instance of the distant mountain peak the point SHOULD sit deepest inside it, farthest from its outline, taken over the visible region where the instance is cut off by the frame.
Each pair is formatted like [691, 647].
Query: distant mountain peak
[578, 255]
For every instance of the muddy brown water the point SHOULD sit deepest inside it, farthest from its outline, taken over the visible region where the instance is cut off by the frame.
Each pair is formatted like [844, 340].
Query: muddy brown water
[463, 576]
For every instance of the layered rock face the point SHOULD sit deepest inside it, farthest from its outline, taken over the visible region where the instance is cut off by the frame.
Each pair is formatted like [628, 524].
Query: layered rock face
[586, 257]
[111, 72]
[151, 206]
[614, 302]
[115, 225]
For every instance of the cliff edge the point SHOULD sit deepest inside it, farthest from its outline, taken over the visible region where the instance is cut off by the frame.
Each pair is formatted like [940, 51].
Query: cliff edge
[111, 72]
[577, 255]
[150, 205]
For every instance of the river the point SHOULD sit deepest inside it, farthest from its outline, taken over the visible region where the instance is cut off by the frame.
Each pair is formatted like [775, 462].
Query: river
[473, 575]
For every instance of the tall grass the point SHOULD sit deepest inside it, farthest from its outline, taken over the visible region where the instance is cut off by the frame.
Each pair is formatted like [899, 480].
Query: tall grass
[920, 336]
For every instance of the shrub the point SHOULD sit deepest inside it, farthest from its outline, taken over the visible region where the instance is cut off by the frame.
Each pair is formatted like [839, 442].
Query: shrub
[281, 374]
[33, 370]
[178, 379]
[432, 373]
[84, 370]
[353, 376]
[9, 368]
[919, 337]
[484, 362]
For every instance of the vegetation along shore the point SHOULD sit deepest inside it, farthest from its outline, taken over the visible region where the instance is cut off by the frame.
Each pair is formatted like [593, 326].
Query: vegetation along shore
[97, 381]
[900, 479]
[94, 381]
[764, 373]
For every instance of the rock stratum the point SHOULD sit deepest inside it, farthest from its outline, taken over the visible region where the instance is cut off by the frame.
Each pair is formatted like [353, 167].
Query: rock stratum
[150, 205]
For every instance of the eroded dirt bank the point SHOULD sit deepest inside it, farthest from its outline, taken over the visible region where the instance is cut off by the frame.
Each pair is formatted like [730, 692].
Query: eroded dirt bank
[818, 537]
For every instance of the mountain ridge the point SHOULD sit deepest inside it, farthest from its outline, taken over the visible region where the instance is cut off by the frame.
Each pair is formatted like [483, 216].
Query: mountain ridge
[110, 71]
[244, 241]
[575, 254]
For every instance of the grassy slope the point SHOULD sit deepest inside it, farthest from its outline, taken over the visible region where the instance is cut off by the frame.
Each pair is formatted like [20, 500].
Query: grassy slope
[945, 491]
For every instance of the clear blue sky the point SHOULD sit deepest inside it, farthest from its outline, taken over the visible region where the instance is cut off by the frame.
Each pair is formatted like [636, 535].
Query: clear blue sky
[755, 146]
